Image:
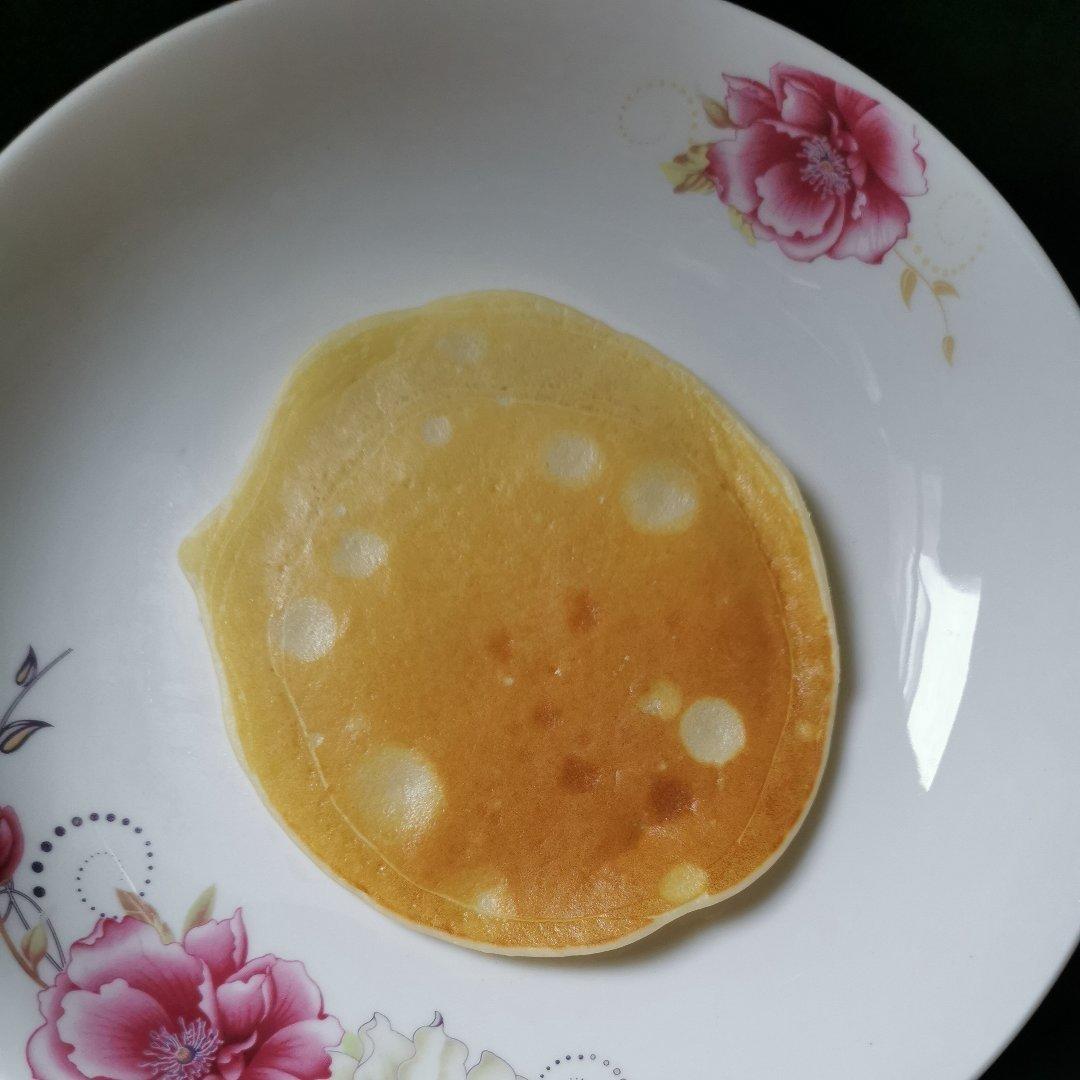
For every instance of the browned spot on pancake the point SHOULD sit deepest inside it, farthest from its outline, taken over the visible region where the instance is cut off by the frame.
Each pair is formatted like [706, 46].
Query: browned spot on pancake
[582, 612]
[668, 797]
[501, 644]
[579, 775]
[545, 715]
[616, 837]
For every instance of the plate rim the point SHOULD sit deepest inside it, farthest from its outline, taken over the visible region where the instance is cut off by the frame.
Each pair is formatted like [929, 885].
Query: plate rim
[209, 22]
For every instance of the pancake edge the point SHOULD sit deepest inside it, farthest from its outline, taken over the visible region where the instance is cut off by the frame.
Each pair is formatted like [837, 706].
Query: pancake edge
[192, 569]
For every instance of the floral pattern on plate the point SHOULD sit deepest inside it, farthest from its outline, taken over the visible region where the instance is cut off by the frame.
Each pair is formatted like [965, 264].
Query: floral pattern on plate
[377, 1052]
[815, 167]
[134, 999]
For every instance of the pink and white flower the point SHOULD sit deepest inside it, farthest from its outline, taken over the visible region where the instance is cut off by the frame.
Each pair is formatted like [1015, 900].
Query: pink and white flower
[129, 1007]
[377, 1052]
[815, 166]
[11, 844]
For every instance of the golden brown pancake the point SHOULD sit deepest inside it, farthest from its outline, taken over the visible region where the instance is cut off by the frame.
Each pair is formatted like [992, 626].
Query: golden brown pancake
[522, 634]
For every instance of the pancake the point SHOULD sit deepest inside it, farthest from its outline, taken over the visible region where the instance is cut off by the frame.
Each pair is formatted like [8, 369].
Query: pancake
[522, 635]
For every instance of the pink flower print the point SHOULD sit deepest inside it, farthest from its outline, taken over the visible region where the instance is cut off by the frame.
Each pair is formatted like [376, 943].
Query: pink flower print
[815, 166]
[129, 1007]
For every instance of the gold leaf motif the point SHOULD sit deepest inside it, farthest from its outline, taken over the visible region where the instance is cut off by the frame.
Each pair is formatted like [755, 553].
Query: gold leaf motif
[17, 732]
[943, 288]
[908, 280]
[715, 113]
[201, 910]
[741, 225]
[695, 185]
[948, 344]
[686, 172]
[134, 905]
[34, 945]
[27, 669]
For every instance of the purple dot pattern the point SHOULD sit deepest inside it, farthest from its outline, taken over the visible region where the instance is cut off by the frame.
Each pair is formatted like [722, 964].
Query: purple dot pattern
[583, 1065]
[96, 824]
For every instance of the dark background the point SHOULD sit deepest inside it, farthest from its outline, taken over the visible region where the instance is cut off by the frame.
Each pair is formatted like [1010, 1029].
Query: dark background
[1000, 79]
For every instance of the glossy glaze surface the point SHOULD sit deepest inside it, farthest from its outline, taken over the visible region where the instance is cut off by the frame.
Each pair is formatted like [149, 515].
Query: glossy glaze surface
[182, 229]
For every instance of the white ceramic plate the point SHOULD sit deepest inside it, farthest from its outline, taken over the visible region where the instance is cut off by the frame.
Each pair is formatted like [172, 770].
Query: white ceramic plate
[179, 230]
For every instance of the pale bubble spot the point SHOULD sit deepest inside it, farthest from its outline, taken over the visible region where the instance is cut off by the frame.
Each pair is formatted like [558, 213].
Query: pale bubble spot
[436, 431]
[356, 727]
[462, 347]
[359, 555]
[712, 731]
[683, 883]
[662, 700]
[397, 793]
[307, 629]
[495, 902]
[660, 499]
[572, 460]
